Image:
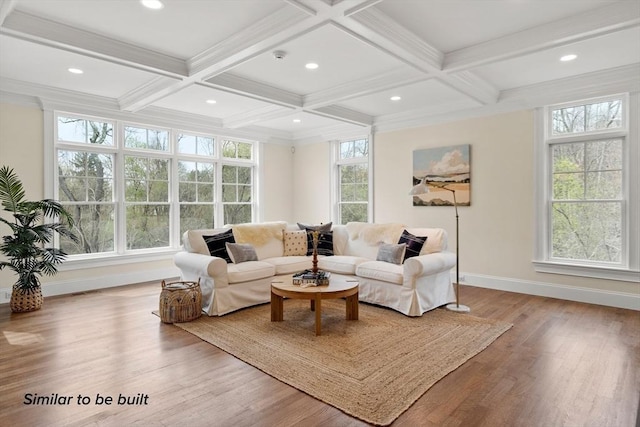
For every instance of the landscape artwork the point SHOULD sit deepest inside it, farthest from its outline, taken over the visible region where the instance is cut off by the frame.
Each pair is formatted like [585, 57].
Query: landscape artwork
[443, 169]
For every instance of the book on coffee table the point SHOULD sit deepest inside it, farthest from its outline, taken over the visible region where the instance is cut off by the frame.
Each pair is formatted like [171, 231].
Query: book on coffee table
[309, 278]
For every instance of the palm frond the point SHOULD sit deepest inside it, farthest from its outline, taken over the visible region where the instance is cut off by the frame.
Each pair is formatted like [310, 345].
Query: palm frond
[11, 190]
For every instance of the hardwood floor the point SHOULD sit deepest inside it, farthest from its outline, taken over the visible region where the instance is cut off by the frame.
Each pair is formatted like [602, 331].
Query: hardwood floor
[562, 364]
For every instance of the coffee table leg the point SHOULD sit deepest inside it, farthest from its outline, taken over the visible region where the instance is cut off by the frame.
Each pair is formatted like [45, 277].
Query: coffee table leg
[277, 308]
[318, 307]
[352, 307]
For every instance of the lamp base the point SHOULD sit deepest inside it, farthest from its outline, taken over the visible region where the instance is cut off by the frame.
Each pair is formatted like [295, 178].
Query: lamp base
[458, 307]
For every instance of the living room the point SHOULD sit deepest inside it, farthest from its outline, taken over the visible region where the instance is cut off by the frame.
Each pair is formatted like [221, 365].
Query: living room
[502, 245]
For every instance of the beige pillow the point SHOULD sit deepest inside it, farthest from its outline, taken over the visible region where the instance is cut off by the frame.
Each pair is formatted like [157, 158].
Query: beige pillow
[295, 242]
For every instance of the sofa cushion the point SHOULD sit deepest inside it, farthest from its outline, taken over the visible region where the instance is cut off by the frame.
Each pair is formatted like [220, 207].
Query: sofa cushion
[250, 270]
[290, 264]
[295, 242]
[217, 244]
[325, 243]
[380, 270]
[391, 253]
[436, 239]
[341, 264]
[414, 244]
[320, 227]
[266, 237]
[241, 252]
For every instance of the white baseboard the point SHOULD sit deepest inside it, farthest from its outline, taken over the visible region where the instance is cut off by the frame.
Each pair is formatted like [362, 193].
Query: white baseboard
[92, 283]
[629, 301]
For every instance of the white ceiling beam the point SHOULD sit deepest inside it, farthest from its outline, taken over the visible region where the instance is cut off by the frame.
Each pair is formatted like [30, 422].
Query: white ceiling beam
[593, 23]
[160, 84]
[6, 7]
[53, 34]
[343, 114]
[232, 83]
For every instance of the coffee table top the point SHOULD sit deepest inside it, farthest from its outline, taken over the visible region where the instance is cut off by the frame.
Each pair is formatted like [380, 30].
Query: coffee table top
[336, 284]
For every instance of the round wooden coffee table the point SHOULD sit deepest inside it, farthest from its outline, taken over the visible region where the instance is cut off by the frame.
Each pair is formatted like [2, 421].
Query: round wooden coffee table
[338, 287]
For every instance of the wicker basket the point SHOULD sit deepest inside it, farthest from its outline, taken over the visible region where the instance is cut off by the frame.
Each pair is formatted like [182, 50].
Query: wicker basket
[180, 301]
[24, 300]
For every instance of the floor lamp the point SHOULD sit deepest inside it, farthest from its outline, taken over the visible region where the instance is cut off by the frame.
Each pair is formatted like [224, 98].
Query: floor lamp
[423, 188]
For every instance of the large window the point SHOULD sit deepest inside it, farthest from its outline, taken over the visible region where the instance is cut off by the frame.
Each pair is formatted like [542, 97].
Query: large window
[132, 187]
[585, 215]
[352, 178]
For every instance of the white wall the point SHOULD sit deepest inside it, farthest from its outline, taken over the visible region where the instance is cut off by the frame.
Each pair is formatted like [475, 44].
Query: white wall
[497, 230]
[277, 182]
[312, 183]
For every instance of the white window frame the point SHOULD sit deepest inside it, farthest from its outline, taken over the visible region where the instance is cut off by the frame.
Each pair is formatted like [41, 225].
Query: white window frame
[629, 268]
[121, 255]
[336, 162]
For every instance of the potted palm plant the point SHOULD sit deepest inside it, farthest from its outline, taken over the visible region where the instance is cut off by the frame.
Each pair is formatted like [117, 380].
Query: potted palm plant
[26, 248]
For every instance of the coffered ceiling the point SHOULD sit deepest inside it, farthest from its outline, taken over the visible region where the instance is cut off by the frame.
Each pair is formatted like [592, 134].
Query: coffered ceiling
[444, 59]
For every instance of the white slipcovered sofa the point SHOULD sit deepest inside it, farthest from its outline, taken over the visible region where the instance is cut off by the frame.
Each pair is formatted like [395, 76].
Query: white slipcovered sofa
[421, 283]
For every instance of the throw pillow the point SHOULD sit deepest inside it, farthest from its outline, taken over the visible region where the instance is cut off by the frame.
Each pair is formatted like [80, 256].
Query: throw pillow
[325, 243]
[216, 244]
[394, 254]
[414, 244]
[321, 227]
[295, 242]
[241, 252]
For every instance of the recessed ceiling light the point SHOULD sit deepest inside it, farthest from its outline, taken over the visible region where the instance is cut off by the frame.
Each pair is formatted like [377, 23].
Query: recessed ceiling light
[311, 66]
[297, 121]
[75, 70]
[395, 98]
[152, 4]
[568, 58]
[211, 101]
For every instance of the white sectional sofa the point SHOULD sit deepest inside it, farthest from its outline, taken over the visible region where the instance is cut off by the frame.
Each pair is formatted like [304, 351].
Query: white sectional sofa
[421, 283]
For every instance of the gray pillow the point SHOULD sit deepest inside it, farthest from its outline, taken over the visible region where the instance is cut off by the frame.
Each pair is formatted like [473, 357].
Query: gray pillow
[241, 252]
[394, 254]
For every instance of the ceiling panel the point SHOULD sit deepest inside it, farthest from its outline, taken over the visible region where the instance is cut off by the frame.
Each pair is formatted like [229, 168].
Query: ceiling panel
[341, 58]
[34, 63]
[453, 25]
[193, 100]
[425, 94]
[307, 122]
[183, 28]
[612, 50]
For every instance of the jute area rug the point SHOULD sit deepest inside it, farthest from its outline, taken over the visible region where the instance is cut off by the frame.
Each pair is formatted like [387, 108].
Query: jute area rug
[373, 368]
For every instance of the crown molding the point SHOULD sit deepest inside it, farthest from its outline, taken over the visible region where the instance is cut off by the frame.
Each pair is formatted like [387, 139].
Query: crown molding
[249, 88]
[53, 34]
[616, 16]
[363, 87]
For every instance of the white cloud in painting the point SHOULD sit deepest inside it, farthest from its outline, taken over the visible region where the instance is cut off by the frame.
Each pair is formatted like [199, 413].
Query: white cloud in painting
[452, 162]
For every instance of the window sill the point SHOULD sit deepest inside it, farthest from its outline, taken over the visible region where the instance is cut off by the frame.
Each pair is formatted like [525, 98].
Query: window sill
[112, 259]
[608, 273]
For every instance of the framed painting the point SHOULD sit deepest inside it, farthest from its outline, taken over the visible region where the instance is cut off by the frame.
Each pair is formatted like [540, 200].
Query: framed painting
[443, 170]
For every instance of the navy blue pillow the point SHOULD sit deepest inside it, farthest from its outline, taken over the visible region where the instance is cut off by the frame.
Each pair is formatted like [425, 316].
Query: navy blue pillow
[414, 244]
[217, 244]
[325, 243]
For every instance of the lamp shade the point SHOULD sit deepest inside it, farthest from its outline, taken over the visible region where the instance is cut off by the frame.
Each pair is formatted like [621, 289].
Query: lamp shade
[420, 188]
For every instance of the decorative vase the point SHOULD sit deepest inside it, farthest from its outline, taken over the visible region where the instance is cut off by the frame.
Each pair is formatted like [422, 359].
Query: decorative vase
[314, 261]
[24, 300]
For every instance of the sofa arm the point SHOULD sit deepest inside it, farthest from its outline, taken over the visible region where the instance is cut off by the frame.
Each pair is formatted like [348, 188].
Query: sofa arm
[195, 266]
[426, 265]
